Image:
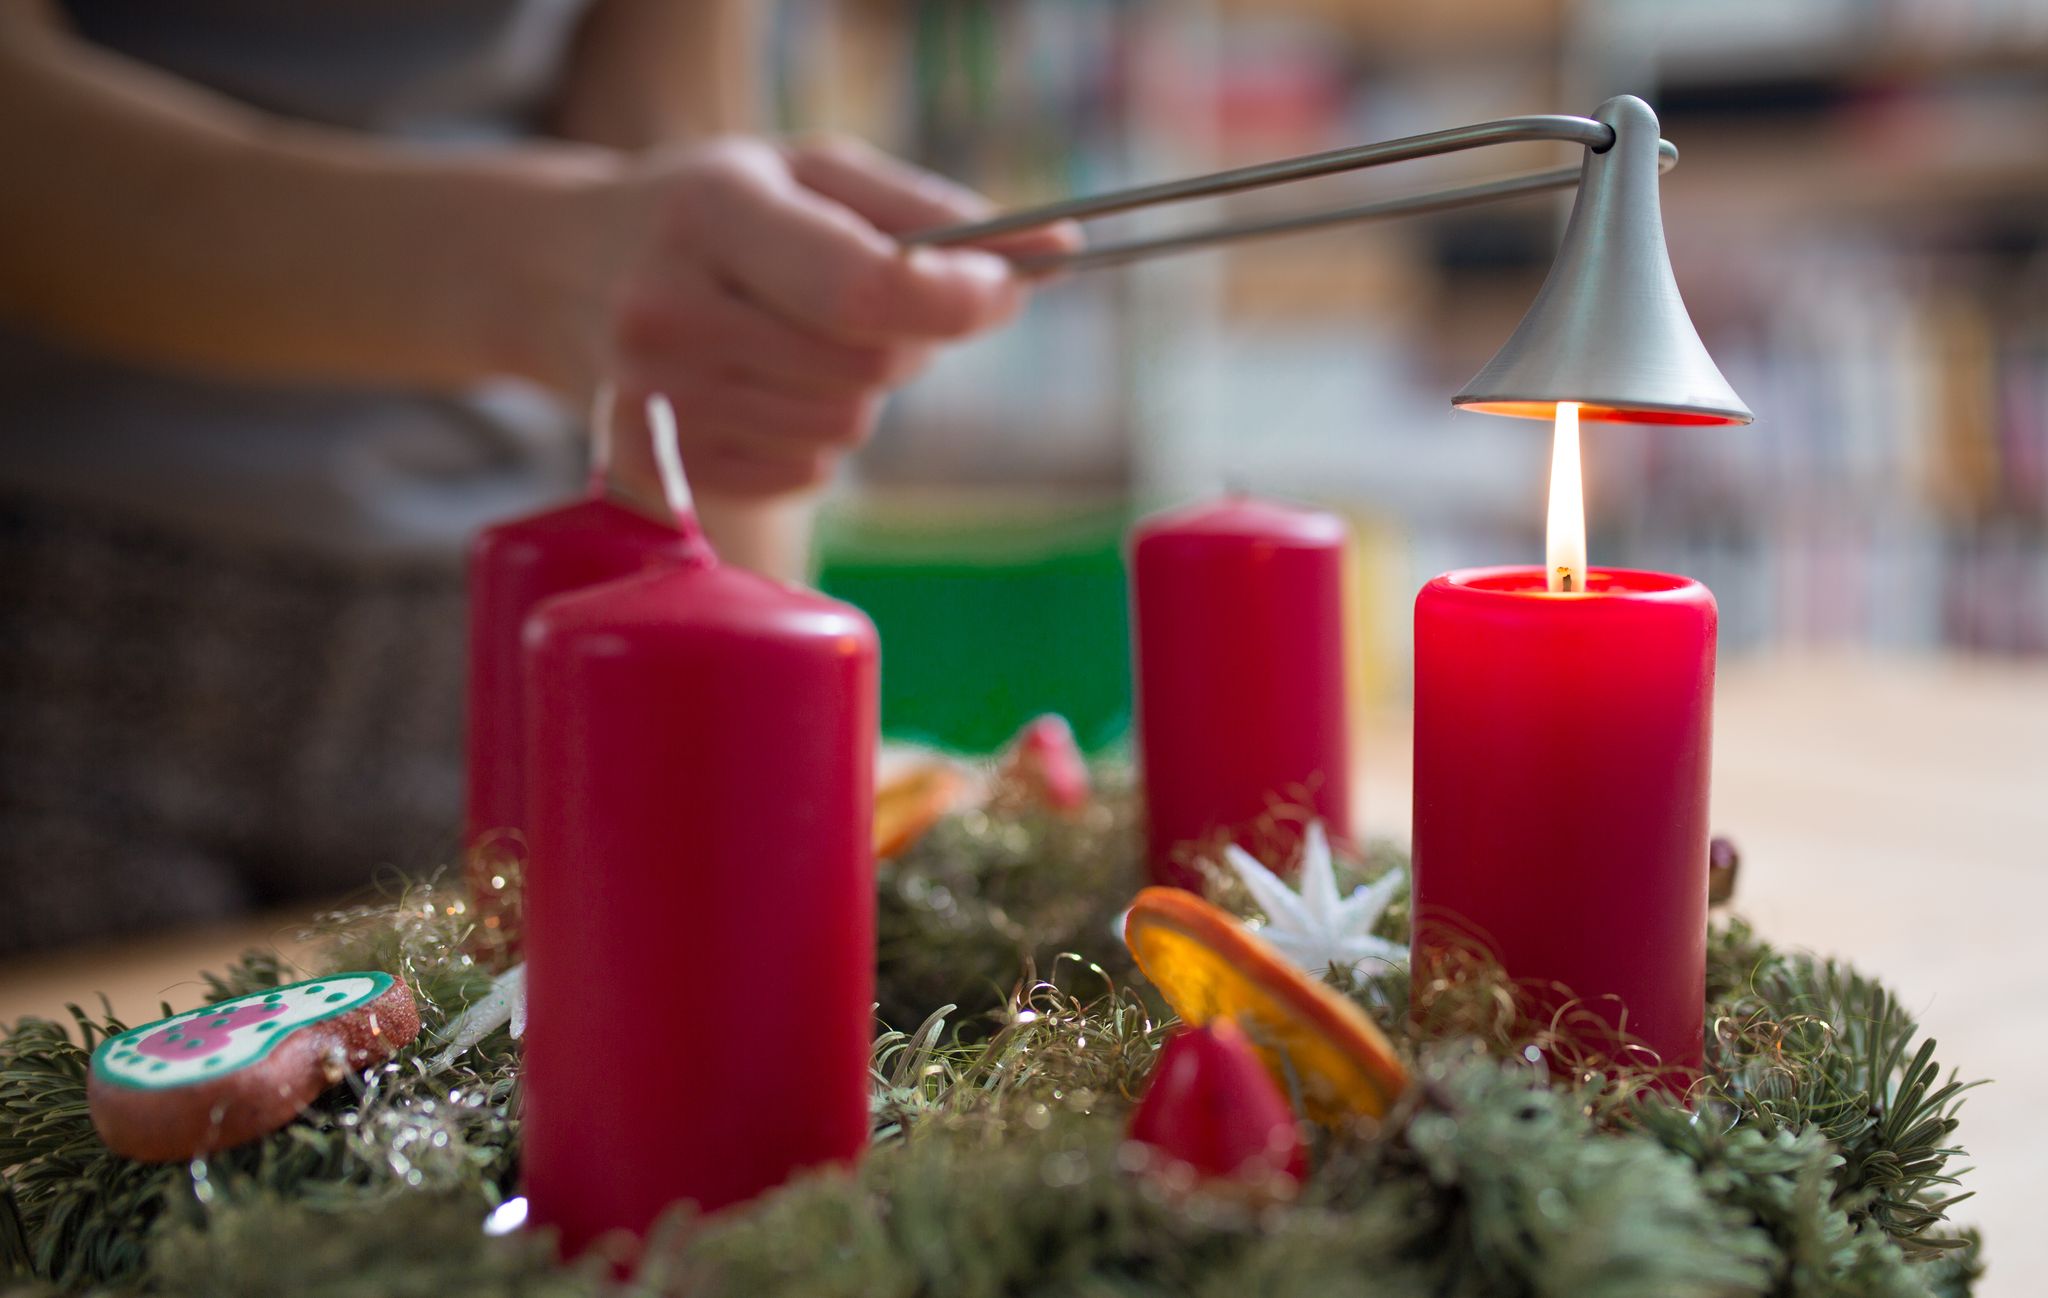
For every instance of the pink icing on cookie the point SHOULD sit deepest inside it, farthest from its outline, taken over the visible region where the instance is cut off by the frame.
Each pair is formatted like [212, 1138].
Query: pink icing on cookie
[206, 1033]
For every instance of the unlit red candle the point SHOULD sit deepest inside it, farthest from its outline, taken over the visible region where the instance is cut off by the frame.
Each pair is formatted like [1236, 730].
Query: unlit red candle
[1562, 744]
[513, 566]
[1238, 620]
[700, 896]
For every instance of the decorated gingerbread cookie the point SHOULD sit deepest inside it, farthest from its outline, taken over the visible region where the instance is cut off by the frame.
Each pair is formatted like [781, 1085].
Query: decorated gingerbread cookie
[217, 1077]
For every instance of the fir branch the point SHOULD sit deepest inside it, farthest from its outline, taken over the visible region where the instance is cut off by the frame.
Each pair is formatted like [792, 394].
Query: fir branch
[416, 1246]
[15, 1253]
[986, 893]
[1785, 1182]
[1551, 1204]
[1803, 1043]
[88, 1212]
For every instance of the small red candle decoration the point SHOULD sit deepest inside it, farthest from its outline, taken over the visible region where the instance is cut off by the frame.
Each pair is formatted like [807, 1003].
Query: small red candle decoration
[700, 898]
[1212, 1107]
[1239, 637]
[1046, 763]
[513, 566]
[1562, 742]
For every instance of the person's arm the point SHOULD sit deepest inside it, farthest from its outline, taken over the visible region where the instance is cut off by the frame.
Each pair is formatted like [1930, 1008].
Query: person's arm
[647, 73]
[148, 218]
[757, 284]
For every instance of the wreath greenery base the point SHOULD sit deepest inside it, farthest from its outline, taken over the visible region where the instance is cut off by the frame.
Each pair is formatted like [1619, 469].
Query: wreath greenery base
[1816, 1159]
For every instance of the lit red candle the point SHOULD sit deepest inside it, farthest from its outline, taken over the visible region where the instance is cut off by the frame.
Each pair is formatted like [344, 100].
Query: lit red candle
[1238, 628]
[513, 566]
[1562, 742]
[700, 898]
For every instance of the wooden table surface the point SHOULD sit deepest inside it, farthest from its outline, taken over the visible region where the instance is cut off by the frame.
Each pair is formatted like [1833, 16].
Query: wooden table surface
[1892, 812]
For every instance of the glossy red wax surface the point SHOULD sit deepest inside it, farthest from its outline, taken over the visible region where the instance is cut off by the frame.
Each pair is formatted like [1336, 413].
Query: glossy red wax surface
[513, 567]
[700, 899]
[1238, 629]
[1212, 1105]
[1562, 746]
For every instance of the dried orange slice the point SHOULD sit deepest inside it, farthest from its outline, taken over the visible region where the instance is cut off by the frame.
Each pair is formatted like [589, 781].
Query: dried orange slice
[911, 801]
[1210, 966]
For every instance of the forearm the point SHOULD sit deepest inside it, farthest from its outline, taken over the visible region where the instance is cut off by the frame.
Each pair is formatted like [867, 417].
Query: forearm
[153, 220]
[644, 73]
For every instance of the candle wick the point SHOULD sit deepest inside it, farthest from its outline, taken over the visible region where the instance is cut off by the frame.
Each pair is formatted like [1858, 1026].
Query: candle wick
[602, 411]
[668, 456]
[1564, 579]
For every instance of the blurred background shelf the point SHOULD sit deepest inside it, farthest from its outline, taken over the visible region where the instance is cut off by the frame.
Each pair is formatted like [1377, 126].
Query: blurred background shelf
[1858, 225]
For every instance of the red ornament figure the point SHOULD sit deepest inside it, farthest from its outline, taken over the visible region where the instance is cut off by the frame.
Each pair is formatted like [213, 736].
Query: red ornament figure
[1212, 1105]
[1045, 762]
[700, 900]
[1561, 765]
[513, 566]
[1239, 634]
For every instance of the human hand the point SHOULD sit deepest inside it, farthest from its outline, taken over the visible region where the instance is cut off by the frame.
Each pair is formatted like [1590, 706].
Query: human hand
[770, 303]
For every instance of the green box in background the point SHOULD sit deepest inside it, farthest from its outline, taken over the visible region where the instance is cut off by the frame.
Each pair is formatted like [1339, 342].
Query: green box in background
[990, 612]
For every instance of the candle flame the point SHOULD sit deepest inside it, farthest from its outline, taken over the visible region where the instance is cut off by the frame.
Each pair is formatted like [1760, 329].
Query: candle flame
[1565, 540]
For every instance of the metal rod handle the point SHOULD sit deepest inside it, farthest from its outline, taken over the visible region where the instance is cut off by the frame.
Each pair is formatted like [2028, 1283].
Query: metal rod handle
[1596, 136]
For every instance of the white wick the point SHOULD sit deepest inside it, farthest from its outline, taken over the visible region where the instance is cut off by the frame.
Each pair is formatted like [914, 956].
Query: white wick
[668, 456]
[602, 409]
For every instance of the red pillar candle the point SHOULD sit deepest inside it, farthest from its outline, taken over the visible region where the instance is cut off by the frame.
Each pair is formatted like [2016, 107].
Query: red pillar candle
[513, 566]
[1239, 636]
[1561, 755]
[700, 898]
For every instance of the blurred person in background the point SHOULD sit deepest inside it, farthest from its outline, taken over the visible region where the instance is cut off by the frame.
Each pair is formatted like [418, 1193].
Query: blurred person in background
[293, 299]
